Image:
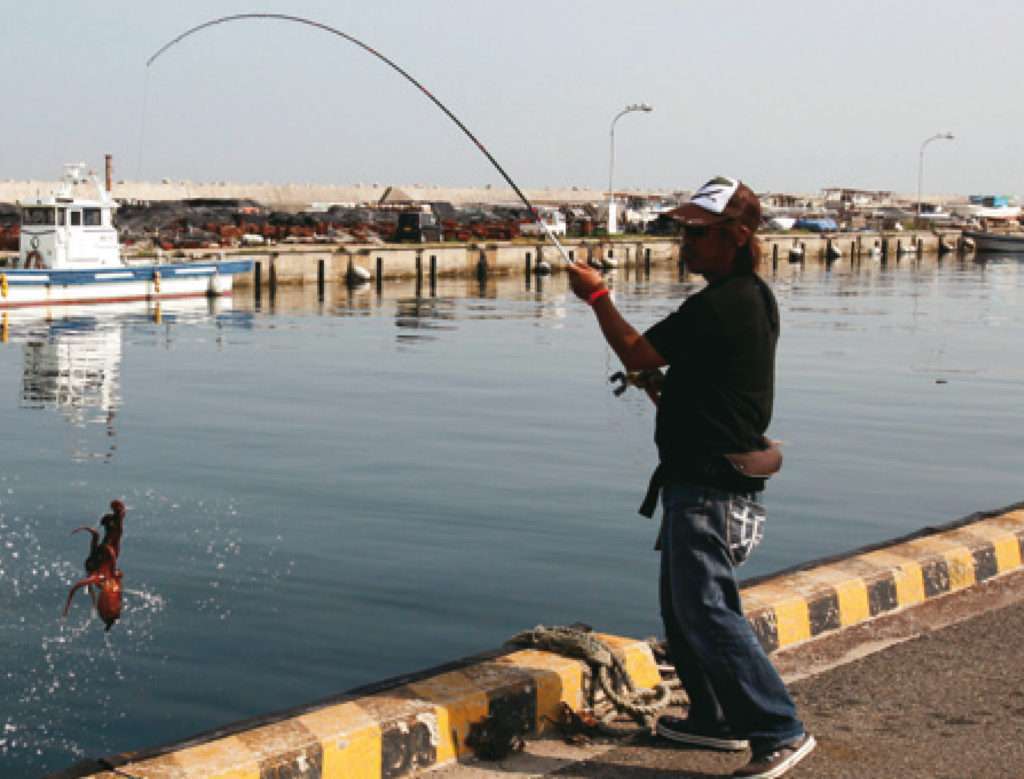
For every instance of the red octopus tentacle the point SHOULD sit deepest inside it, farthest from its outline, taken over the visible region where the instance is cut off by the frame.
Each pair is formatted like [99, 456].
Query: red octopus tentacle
[96, 578]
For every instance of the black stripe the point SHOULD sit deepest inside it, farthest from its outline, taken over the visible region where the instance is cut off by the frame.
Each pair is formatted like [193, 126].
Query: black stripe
[882, 595]
[985, 564]
[515, 708]
[936, 577]
[765, 628]
[405, 747]
[823, 613]
[303, 760]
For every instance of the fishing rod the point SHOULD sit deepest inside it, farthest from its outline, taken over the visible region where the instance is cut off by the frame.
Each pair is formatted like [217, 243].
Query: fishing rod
[327, 28]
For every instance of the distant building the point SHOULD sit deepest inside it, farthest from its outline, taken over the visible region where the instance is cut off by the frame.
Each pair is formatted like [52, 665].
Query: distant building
[783, 200]
[844, 198]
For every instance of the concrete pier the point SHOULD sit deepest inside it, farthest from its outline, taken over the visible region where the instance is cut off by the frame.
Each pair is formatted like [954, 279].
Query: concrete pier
[297, 264]
[403, 727]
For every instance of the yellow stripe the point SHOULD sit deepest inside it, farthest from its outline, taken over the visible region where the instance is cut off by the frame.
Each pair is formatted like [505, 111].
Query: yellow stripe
[637, 657]
[853, 602]
[906, 573]
[792, 621]
[225, 758]
[351, 741]
[457, 703]
[961, 568]
[851, 592]
[558, 680]
[1014, 521]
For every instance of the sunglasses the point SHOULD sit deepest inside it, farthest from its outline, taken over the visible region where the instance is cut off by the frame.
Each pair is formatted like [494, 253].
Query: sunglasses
[699, 231]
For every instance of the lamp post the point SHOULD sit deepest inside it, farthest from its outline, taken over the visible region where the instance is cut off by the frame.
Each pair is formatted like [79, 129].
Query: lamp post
[612, 223]
[946, 136]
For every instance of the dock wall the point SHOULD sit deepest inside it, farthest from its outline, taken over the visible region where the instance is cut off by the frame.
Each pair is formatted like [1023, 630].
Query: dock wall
[300, 263]
[402, 727]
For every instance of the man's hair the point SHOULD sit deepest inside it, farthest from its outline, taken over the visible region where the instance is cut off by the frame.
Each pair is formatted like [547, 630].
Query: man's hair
[748, 256]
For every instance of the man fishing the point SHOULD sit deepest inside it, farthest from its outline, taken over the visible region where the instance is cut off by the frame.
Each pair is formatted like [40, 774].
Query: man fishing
[714, 408]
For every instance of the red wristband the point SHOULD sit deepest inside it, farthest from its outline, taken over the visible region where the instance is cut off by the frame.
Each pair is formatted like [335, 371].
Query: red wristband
[597, 294]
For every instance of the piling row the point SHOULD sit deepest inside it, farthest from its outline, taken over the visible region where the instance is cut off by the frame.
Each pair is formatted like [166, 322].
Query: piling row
[358, 266]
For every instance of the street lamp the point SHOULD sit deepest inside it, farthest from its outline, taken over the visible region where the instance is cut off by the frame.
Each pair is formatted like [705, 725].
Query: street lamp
[946, 136]
[612, 224]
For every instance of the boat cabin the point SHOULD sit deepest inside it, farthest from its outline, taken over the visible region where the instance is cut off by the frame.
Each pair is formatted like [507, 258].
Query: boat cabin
[65, 231]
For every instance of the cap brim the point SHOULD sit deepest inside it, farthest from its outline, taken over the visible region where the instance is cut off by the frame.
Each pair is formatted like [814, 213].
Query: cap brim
[692, 215]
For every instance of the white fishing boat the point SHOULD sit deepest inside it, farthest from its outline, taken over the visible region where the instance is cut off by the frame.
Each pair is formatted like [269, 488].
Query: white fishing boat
[987, 207]
[1010, 242]
[69, 254]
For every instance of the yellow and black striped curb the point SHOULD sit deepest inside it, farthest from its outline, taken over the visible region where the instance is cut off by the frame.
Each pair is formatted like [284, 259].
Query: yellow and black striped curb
[800, 604]
[398, 730]
[400, 727]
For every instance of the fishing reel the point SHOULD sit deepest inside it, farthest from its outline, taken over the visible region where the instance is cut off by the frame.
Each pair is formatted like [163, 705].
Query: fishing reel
[650, 381]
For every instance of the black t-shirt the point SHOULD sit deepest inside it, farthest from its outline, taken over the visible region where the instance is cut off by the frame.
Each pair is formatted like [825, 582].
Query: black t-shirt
[718, 392]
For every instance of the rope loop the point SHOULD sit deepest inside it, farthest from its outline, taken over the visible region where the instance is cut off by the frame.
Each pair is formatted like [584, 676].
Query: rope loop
[606, 668]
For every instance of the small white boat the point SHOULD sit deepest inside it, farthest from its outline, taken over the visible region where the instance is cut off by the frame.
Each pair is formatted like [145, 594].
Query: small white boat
[781, 222]
[988, 241]
[69, 254]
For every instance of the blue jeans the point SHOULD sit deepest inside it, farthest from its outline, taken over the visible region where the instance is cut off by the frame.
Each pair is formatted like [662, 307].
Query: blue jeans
[727, 675]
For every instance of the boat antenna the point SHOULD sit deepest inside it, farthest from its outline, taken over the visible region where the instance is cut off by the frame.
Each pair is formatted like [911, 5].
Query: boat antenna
[393, 66]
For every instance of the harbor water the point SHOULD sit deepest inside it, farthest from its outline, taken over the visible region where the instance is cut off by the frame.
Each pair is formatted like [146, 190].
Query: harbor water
[323, 494]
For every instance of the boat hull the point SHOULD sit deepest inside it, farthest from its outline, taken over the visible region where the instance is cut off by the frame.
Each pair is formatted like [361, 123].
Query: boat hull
[995, 242]
[20, 288]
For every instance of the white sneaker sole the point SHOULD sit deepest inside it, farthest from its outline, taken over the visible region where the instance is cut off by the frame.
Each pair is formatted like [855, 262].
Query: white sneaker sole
[805, 749]
[721, 744]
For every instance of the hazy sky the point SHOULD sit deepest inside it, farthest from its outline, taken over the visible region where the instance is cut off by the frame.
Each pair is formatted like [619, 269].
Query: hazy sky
[786, 95]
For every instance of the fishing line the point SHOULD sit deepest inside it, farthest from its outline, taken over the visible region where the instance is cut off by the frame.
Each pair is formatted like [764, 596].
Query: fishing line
[142, 126]
[327, 28]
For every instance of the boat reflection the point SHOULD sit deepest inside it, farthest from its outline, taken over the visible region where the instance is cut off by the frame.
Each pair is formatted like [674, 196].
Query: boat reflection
[72, 360]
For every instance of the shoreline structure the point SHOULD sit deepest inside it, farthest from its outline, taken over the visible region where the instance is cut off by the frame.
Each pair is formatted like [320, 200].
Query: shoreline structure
[301, 195]
[404, 726]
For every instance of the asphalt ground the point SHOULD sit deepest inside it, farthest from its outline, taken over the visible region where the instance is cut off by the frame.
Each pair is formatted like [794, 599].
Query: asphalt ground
[936, 692]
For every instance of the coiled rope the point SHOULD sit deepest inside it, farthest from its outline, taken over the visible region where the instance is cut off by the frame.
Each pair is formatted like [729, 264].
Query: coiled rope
[642, 705]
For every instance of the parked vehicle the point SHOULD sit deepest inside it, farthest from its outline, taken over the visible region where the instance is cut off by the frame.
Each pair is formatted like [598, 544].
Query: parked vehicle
[552, 217]
[418, 227]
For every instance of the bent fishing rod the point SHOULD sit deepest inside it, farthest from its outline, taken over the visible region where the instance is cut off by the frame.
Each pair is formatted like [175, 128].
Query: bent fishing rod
[327, 28]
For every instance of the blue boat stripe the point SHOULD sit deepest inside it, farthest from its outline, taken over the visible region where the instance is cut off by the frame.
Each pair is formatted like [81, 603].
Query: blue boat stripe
[123, 274]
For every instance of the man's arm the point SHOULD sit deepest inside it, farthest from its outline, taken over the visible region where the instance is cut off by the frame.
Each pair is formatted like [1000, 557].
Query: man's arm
[635, 351]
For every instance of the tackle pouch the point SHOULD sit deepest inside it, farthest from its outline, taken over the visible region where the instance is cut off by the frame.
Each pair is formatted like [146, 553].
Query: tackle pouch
[744, 528]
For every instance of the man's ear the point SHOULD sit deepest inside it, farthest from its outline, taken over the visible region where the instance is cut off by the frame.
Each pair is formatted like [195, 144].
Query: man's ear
[743, 234]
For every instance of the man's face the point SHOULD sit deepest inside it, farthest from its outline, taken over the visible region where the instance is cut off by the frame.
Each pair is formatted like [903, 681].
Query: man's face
[710, 250]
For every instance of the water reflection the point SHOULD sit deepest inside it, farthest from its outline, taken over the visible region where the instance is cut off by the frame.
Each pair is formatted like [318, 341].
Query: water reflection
[71, 361]
[839, 295]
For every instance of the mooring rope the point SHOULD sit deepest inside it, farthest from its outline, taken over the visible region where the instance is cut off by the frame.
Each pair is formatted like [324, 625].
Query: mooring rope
[611, 674]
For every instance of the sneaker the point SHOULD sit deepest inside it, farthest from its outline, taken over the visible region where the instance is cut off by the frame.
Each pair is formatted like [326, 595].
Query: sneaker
[778, 761]
[683, 731]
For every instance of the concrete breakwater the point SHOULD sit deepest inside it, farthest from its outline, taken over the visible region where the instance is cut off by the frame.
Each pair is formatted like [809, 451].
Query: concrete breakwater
[405, 726]
[311, 264]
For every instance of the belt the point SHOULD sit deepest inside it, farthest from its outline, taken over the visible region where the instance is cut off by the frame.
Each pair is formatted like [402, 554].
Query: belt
[715, 471]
